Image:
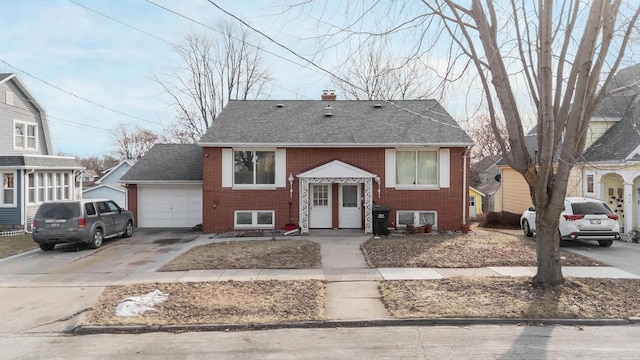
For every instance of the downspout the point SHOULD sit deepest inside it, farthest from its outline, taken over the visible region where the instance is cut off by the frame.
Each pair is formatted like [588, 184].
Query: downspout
[465, 191]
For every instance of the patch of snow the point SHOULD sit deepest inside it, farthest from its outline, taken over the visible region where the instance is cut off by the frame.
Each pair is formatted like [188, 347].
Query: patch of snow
[138, 305]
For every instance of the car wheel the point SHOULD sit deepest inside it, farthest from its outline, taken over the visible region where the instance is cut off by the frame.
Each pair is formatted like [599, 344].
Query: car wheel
[47, 247]
[605, 243]
[128, 229]
[526, 228]
[96, 239]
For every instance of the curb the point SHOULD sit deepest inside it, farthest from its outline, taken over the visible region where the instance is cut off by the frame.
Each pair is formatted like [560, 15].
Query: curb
[139, 329]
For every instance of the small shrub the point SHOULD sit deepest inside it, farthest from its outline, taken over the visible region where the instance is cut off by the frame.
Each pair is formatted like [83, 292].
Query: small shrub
[502, 220]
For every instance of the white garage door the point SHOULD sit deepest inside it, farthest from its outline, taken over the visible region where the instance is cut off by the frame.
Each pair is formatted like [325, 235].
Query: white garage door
[169, 205]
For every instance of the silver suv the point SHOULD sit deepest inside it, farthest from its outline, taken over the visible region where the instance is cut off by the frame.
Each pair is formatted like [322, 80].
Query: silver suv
[80, 221]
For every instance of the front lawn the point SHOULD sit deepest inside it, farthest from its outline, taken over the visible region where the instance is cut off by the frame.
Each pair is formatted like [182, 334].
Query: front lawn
[249, 254]
[11, 245]
[477, 249]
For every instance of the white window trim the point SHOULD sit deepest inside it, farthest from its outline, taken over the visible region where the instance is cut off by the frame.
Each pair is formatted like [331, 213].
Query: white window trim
[416, 217]
[435, 186]
[586, 183]
[252, 186]
[25, 137]
[15, 188]
[254, 220]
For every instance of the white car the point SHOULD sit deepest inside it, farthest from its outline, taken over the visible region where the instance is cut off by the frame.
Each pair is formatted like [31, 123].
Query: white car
[581, 219]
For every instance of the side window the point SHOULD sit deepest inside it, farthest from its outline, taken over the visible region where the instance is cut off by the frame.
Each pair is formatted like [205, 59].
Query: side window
[89, 209]
[113, 207]
[102, 207]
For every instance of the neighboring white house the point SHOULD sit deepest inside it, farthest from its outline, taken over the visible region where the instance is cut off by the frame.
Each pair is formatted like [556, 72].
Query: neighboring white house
[108, 187]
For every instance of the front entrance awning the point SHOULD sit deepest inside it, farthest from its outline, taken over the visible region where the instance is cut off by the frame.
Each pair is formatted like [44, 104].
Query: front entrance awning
[336, 172]
[337, 169]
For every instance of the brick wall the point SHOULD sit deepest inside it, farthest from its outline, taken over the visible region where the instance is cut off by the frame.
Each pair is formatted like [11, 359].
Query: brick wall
[132, 201]
[219, 203]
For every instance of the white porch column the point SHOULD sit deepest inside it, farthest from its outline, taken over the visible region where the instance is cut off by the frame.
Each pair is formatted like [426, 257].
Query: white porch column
[304, 205]
[368, 206]
[628, 207]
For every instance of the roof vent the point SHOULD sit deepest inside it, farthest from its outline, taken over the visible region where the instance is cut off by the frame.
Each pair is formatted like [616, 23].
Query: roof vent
[280, 105]
[377, 105]
[327, 111]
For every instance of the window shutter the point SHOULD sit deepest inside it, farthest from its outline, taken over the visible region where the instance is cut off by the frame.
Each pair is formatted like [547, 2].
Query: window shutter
[281, 168]
[444, 164]
[8, 98]
[390, 168]
[227, 167]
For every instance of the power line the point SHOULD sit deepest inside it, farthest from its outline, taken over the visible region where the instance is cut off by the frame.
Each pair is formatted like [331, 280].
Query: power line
[80, 97]
[328, 72]
[181, 47]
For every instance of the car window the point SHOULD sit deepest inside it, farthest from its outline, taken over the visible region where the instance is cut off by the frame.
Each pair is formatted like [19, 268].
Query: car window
[89, 209]
[591, 208]
[113, 207]
[102, 207]
[58, 211]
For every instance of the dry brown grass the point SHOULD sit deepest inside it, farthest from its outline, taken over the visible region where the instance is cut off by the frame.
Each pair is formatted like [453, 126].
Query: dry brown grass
[477, 249]
[249, 254]
[12, 245]
[577, 298]
[230, 302]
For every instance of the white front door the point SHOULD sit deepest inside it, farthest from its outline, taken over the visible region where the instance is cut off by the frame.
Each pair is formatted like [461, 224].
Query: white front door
[349, 210]
[472, 206]
[320, 206]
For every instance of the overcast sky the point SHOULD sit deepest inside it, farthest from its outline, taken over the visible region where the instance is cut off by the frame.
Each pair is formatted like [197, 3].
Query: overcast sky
[99, 71]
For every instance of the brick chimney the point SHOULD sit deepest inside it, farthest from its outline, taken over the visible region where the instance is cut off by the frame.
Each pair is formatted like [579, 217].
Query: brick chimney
[328, 95]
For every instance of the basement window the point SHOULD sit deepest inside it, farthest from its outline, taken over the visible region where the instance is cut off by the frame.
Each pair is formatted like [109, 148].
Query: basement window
[254, 219]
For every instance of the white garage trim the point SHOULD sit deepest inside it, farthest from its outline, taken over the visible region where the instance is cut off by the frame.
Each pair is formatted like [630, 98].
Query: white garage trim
[177, 205]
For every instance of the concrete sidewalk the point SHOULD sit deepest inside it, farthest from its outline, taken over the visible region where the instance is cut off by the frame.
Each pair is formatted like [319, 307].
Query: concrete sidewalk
[352, 286]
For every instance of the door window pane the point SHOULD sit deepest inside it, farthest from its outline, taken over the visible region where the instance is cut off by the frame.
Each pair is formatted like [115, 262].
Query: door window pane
[350, 196]
[320, 195]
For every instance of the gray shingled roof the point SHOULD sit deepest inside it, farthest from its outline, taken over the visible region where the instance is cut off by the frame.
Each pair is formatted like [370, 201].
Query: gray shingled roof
[48, 162]
[4, 76]
[617, 143]
[167, 163]
[353, 123]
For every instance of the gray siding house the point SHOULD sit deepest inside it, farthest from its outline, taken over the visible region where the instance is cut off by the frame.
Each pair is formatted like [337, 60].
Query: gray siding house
[30, 173]
[109, 186]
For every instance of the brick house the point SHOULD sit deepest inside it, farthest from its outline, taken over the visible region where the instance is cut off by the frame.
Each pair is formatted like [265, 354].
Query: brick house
[324, 164]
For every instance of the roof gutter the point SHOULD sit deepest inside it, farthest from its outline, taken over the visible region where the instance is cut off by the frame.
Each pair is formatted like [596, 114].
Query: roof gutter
[331, 145]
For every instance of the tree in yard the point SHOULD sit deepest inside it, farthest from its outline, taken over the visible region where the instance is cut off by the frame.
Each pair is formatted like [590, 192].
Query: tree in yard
[214, 70]
[132, 142]
[98, 163]
[550, 58]
[374, 73]
[484, 139]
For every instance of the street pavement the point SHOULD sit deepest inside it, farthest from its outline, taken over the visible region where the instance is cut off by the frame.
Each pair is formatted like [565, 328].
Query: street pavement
[50, 291]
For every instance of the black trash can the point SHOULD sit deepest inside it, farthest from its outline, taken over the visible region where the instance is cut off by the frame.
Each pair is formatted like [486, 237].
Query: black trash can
[380, 219]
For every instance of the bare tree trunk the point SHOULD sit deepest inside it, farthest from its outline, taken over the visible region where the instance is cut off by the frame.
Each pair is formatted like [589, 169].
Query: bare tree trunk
[547, 242]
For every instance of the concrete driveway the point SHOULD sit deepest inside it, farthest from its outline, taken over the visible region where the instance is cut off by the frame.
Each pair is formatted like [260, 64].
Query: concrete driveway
[45, 291]
[622, 255]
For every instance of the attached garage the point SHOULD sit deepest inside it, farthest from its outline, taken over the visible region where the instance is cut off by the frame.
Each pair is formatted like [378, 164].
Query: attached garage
[169, 205]
[164, 187]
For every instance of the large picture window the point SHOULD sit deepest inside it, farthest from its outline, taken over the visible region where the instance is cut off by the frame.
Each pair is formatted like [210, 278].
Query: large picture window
[417, 168]
[254, 168]
[25, 136]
